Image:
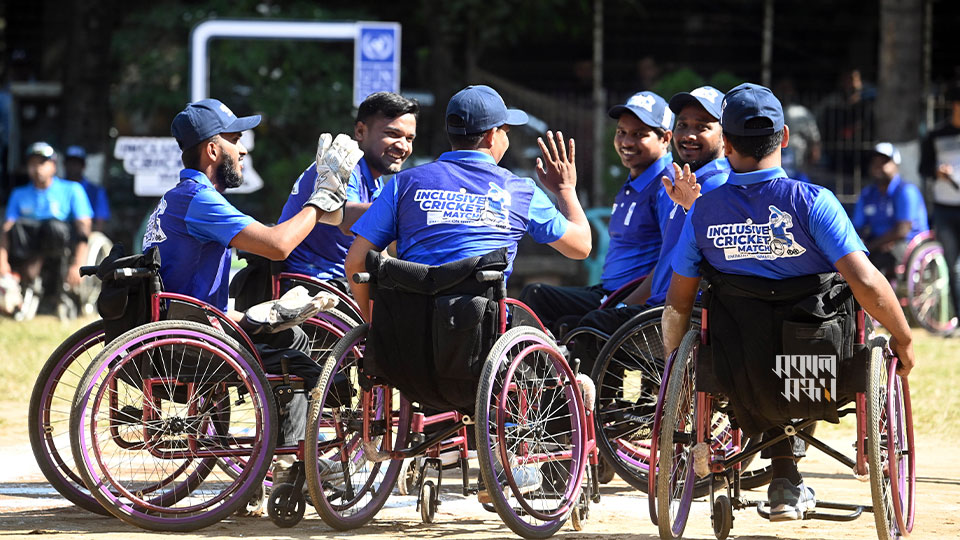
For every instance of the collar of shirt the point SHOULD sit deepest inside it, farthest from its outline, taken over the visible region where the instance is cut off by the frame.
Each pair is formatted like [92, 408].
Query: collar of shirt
[755, 177]
[717, 165]
[366, 176]
[196, 176]
[461, 155]
[653, 172]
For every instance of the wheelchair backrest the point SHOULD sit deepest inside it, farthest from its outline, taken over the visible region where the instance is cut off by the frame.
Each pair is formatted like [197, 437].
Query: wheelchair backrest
[253, 284]
[432, 327]
[124, 302]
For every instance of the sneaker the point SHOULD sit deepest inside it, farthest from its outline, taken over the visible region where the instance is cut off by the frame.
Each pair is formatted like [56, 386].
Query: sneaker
[528, 478]
[789, 502]
[283, 469]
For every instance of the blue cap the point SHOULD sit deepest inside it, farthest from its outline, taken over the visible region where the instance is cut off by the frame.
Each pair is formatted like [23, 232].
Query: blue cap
[41, 149]
[650, 108]
[481, 108]
[707, 96]
[204, 119]
[749, 101]
[76, 151]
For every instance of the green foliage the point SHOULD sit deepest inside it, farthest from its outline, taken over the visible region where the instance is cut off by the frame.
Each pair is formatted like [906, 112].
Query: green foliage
[682, 80]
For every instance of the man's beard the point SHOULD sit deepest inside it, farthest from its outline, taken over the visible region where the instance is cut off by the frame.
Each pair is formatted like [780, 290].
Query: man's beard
[228, 174]
[696, 164]
[379, 163]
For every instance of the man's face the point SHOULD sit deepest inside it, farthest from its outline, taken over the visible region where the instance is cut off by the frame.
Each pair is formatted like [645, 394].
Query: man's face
[697, 137]
[41, 170]
[882, 168]
[386, 142]
[230, 164]
[637, 144]
[74, 168]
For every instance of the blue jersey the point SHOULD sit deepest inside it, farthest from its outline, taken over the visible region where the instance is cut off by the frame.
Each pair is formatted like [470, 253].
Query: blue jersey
[764, 224]
[710, 176]
[98, 199]
[192, 227]
[876, 213]
[459, 206]
[62, 200]
[322, 252]
[636, 226]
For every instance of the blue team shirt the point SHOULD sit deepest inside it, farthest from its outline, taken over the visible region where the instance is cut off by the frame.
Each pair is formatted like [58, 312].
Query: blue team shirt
[461, 205]
[764, 224]
[322, 252]
[62, 200]
[879, 212]
[710, 176]
[98, 199]
[192, 227]
[636, 226]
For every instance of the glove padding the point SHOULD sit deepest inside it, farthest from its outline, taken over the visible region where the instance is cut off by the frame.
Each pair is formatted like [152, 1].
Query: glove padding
[336, 159]
[291, 309]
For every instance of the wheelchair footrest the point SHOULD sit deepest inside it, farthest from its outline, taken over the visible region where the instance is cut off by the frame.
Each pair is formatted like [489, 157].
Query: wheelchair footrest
[854, 511]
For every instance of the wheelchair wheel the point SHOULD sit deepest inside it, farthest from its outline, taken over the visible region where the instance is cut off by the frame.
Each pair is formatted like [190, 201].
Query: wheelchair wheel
[628, 374]
[531, 433]
[49, 413]
[347, 488]
[287, 505]
[98, 247]
[891, 453]
[157, 411]
[675, 477]
[928, 289]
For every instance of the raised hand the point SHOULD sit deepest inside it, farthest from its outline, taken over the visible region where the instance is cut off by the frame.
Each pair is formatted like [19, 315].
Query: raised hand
[685, 189]
[557, 168]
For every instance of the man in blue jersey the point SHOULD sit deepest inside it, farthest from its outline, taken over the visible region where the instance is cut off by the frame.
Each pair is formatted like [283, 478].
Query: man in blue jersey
[642, 139]
[46, 227]
[730, 228]
[890, 212]
[385, 128]
[194, 227]
[75, 161]
[464, 204]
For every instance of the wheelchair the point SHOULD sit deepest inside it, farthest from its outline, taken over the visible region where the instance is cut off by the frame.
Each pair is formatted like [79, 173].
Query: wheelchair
[440, 339]
[923, 285]
[696, 430]
[134, 281]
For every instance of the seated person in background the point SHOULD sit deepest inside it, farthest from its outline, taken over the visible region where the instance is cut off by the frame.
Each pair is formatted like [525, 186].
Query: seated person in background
[636, 224]
[46, 228]
[75, 162]
[823, 241]
[194, 228]
[385, 128]
[890, 212]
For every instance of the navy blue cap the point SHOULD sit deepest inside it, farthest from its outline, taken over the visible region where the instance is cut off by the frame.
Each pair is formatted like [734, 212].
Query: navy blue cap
[749, 101]
[481, 108]
[650, 108]
[41, 149]
[204, 119]
[76, 151]
[707, 96]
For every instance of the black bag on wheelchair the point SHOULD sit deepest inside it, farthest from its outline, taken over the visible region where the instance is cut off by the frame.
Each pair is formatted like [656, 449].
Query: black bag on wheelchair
[432, 328]
[780, 349]
[124, 302]
[253, 284]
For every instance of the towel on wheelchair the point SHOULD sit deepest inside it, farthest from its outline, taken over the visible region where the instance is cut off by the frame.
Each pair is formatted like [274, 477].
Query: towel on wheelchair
[780, 349]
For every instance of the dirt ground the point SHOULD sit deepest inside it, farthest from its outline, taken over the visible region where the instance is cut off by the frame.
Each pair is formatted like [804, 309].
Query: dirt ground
[29, 507]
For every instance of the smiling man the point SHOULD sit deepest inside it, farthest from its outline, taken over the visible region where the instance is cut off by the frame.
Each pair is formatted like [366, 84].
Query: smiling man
[385, 128]
[642, 139]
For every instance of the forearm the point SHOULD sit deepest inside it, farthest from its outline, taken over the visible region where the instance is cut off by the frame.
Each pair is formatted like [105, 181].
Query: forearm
[676, 312]
[874, 294]
[277, 242]
[4, 259]
[361, 291]
[895, 234]
[578, 227]
[80, 252]
[351, 213]
[642, 292]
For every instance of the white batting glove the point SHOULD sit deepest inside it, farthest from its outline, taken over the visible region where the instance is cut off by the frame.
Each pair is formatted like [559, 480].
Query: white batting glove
[336, 159]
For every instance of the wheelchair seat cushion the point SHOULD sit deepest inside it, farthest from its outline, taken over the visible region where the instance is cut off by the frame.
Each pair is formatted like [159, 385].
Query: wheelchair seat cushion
[432, 327]
[780, 349]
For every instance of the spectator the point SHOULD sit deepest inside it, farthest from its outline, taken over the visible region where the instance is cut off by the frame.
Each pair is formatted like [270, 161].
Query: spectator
[75, 163]
[805, 145]
[890, 212]
[846, 122]
[46, 221]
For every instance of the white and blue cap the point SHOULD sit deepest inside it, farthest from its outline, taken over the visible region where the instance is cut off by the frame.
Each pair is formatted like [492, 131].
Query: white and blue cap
[204, 119]
[650, 108]
[888, 150]
[42, 149]
[76, 151]
[747, 102]
[707, 96]
[478, 108]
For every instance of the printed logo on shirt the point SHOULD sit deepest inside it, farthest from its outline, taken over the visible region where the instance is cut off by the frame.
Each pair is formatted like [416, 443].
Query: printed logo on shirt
[154, 234]
[460, 207]
[761, 241]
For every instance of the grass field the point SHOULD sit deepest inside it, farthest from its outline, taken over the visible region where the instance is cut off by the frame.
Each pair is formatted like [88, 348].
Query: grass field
[24, 347]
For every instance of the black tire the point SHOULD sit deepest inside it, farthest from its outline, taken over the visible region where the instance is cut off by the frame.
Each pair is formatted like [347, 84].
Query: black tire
[286, 506]
[428, 501]
[876, 448]
[722, 517]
